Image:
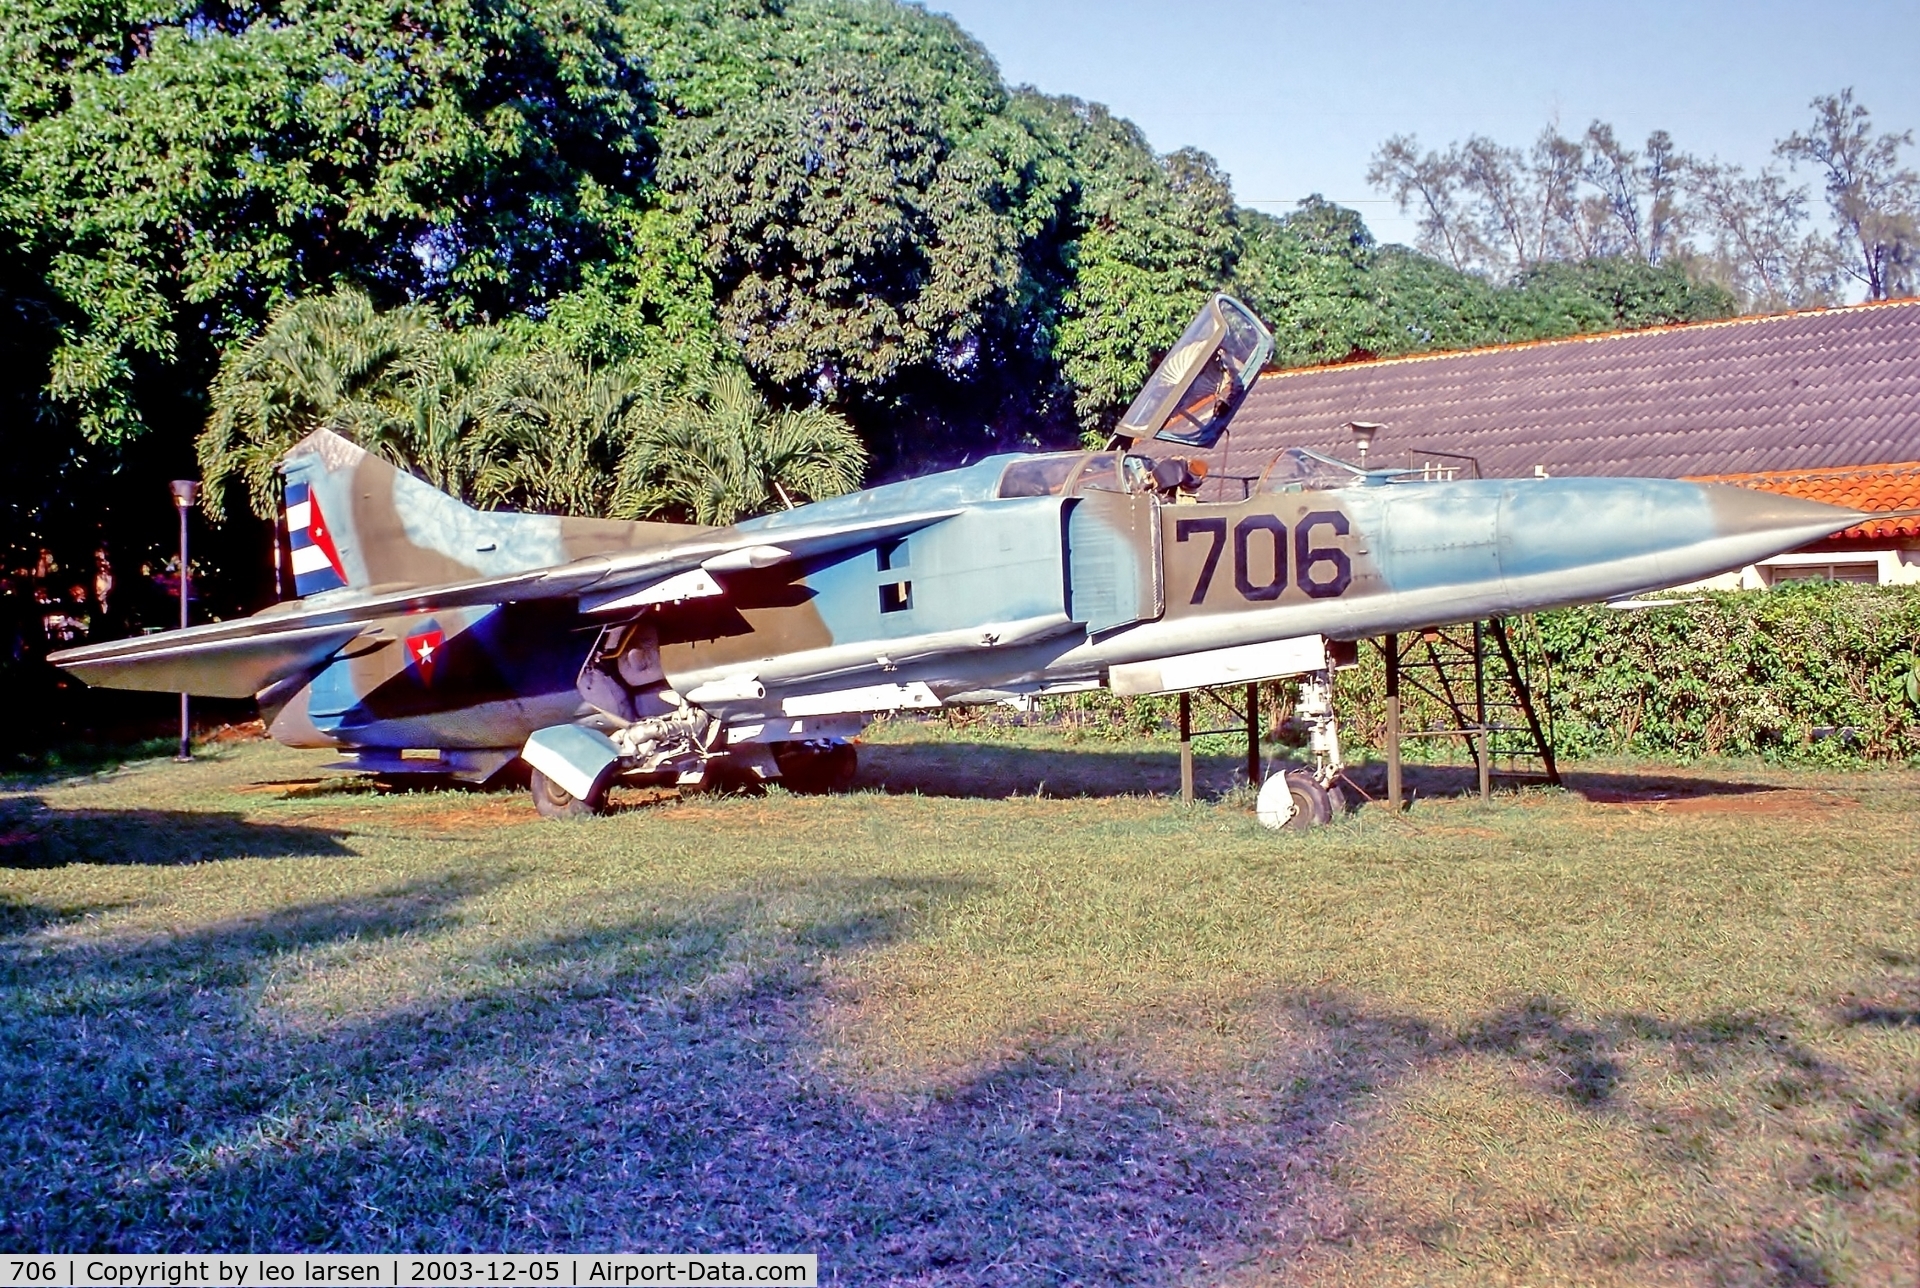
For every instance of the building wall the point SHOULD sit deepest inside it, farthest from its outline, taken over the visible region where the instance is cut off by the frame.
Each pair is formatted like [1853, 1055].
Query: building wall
[1877, 563]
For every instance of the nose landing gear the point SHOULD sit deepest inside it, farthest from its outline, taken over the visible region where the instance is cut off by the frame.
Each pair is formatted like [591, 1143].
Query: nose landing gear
[1304, 798]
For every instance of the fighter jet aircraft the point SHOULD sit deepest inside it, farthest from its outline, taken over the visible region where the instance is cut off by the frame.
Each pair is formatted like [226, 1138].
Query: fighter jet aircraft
[429, 637]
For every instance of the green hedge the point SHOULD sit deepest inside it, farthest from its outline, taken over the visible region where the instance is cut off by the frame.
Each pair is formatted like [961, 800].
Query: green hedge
[1817, 672]
[1754, 673]
[1821, 673]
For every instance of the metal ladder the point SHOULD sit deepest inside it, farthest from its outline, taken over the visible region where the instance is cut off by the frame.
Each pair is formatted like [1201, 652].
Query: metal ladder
[1486, 675]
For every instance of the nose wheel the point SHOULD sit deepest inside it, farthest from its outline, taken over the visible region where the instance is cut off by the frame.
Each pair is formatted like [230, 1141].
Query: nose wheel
[1294, 802]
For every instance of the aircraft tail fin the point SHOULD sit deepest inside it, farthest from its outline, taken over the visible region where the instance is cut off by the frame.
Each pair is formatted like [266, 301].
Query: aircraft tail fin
[316, 557]
[357, 521]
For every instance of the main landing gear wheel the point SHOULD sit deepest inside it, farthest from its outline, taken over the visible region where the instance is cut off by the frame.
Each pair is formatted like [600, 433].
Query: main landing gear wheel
[554, 801]
[1294, 801]
[817, 768]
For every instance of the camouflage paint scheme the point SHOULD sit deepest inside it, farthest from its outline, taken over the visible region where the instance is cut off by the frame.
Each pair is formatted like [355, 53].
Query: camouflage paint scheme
[426, 626]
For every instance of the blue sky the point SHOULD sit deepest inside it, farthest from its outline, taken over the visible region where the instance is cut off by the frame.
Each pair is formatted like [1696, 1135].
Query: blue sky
[1293, 98]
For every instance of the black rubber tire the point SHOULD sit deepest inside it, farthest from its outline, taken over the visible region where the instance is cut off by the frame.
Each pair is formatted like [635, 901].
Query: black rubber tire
[553, 801]
[817, 769]
[724, 778]
[1311, 805]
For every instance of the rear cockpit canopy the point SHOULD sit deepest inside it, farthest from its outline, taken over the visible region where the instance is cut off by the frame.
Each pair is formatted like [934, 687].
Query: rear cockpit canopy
[1071, 473]
[1299, 469]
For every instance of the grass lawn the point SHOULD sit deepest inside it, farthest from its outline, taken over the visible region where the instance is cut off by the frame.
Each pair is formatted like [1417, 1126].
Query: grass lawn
[1005, 1014]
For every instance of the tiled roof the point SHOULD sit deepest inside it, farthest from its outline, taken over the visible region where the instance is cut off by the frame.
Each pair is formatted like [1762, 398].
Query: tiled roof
[1878, 487]
[1800, 391]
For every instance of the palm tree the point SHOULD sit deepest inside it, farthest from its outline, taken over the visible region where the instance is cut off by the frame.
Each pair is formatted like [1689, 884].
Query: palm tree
[726, 455]
[498, 415]
[315, 358]
[557, 432]
[428, 415]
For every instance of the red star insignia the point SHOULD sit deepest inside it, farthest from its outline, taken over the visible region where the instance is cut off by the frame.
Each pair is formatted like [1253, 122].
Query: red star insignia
[424, 648]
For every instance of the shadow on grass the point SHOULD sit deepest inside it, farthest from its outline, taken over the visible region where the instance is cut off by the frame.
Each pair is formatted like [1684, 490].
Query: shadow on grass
[985, 770]
[36, 835]
[654, 1082]
[1606, 787]
[1894, 1004]
[650, 1084]
[991, 771]
[1848, 1141]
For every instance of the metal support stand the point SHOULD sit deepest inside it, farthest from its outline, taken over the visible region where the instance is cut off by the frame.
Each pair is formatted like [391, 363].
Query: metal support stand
[1395, 797]
[1250, 725]
[1253, 735]
[184, 493]
[1186, 749]
[1542, 737]
[1493, 710]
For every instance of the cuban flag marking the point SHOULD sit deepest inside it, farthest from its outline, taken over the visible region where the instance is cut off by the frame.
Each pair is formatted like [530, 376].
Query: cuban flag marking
[316, 560]
[424, 647]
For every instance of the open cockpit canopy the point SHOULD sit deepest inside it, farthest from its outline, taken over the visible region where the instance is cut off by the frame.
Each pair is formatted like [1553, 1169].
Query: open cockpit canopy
[1192, 394]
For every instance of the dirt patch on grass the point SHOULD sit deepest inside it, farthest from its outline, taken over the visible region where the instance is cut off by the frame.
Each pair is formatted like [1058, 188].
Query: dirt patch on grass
[468, 814]
[1777, 802]
[1790, 801]
[485, 813]
[245, 731]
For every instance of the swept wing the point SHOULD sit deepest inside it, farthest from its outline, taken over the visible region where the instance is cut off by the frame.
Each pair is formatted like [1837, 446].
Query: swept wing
[239, 658]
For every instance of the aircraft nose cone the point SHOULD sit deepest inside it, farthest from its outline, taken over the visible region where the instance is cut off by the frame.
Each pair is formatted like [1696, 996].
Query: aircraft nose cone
[1742, 511]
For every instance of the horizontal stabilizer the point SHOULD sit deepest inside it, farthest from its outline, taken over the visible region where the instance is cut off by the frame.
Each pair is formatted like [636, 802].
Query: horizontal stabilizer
[211, 661]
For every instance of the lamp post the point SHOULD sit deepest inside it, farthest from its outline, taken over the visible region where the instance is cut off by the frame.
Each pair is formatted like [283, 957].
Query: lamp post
[185, 491]
[1363, 432]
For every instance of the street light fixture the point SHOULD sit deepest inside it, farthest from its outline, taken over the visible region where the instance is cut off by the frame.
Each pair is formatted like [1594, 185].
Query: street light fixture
[1363, 432]
[185, 492]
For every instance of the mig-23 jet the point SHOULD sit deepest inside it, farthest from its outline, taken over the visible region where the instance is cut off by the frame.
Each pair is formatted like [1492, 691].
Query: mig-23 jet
[432, 637]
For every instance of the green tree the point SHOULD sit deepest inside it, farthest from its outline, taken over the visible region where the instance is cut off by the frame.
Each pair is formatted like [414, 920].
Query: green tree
[1311, 274]
[727, 455]
[1610, 294]
[1874, 200]
[182, 170]
[858, 189]
[1145, 240]
[1331, 295]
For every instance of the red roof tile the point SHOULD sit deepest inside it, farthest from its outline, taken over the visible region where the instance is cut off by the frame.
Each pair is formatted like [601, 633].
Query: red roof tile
[1881, 487]
[1801, 391]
